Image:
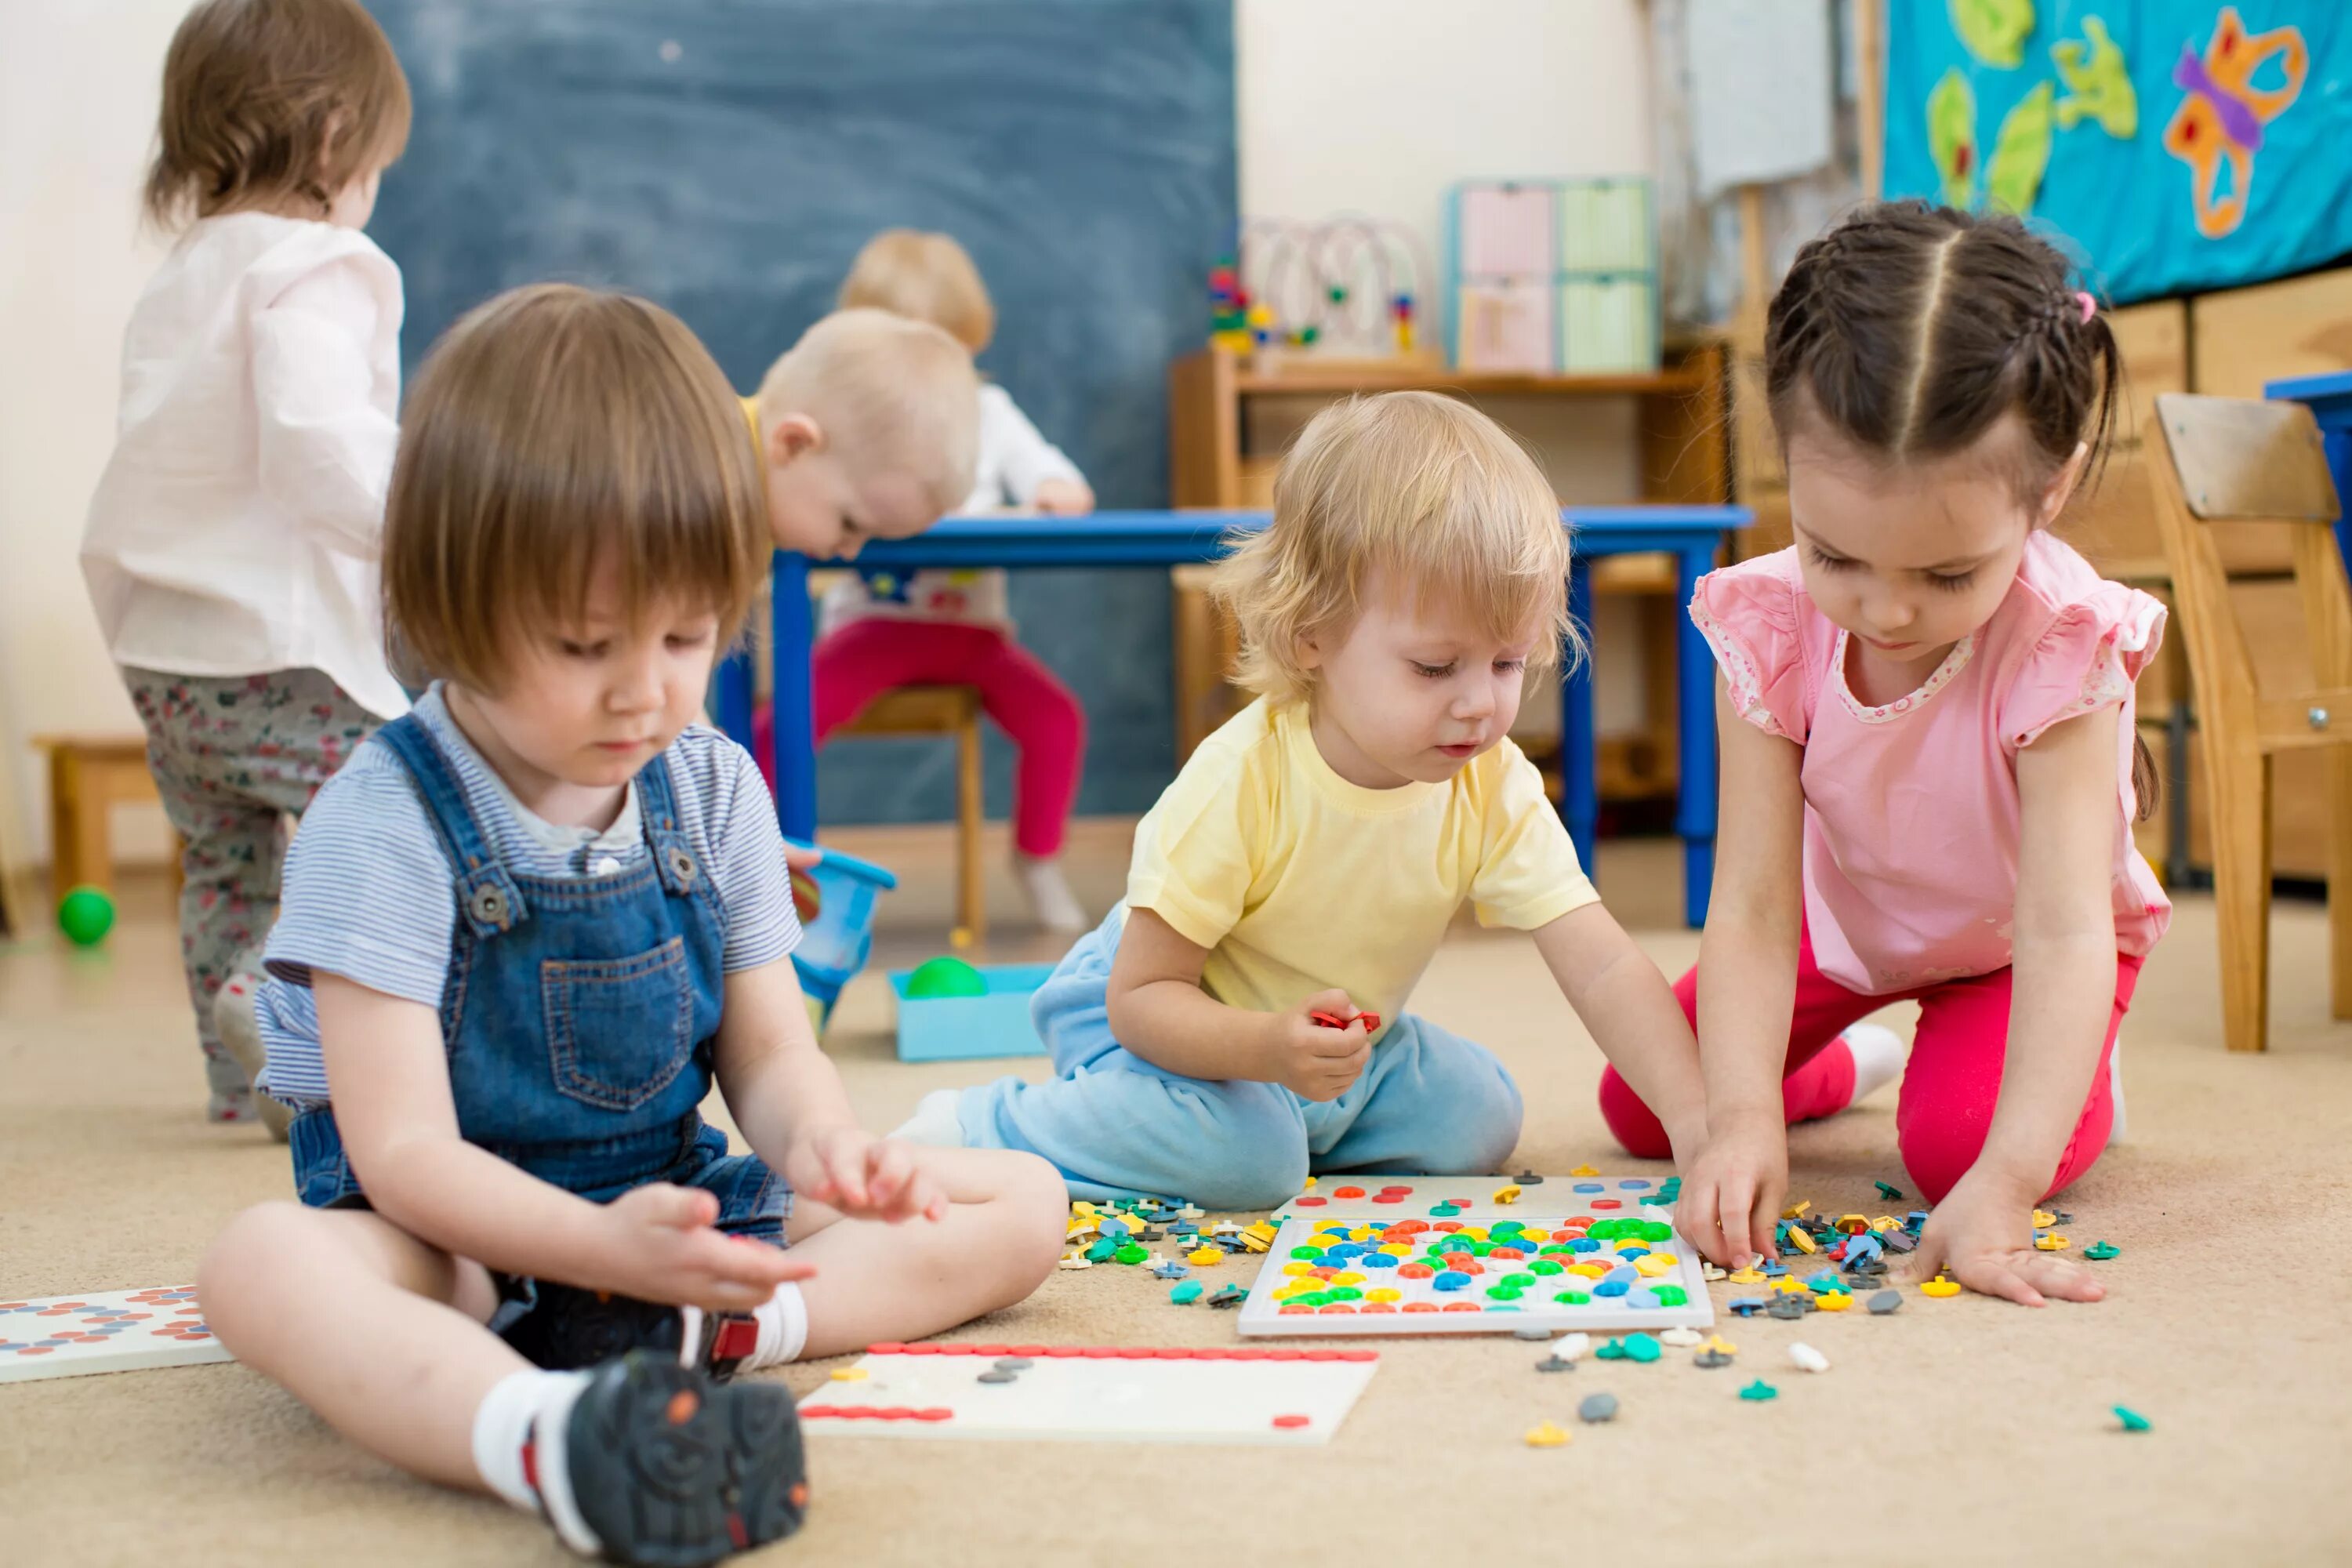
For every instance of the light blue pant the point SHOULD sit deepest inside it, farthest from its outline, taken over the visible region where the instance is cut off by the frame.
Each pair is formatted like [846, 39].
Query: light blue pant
[1429, 1102]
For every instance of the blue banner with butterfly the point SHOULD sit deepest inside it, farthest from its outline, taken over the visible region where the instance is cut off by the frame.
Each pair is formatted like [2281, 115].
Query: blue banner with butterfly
[2179, 146]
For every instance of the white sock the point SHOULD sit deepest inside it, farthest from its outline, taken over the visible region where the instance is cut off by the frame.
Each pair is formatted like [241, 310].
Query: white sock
[1058, 908]
[529, 1411]
[2115, 1130]
[1878, 1057]
[783, 1328]
[935, 1123]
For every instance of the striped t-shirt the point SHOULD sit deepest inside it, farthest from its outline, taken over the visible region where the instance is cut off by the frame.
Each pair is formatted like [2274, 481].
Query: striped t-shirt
[369, 894]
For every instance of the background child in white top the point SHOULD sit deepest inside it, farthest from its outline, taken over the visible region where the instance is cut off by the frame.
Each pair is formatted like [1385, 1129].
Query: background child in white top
[231, 551]
[879, 633]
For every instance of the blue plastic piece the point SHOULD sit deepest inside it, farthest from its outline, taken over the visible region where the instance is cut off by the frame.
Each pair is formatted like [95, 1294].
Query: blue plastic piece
[1590, 1187]
[1449, 1280]
[1624, 1274]
[1584, 1244]
[1631, 1253]
[1746, 1306]
[1610, 1287]
[1635, 1184]
[1380, 1260]
[837, 934]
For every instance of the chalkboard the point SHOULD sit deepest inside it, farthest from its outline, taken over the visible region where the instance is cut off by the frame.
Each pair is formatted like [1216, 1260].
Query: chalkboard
[726, 158]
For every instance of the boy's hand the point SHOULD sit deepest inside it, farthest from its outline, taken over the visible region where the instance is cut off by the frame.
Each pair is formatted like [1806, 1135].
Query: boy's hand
[864, 1176]
[1982, 1236]
[1313, 1060]
[802, 857]
[1063, 498]
[1733, 1192]
[660, 1245]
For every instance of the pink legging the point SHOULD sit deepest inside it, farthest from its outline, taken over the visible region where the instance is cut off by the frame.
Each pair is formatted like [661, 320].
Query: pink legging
[859, 662]
[1949, 1086]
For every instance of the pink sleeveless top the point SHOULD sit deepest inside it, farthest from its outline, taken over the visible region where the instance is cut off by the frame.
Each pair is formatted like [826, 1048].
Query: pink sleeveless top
[1911, 809]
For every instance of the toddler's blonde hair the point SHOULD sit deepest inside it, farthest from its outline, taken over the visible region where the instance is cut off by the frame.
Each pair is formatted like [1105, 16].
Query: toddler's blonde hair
[891, 395]
[1426, 491]
[929, 277]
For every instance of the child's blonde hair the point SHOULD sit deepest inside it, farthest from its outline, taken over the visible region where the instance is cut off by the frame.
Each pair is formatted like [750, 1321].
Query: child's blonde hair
[892, 394]
[929, 277]
[268, 100]
[551, 430]
[1428, 492]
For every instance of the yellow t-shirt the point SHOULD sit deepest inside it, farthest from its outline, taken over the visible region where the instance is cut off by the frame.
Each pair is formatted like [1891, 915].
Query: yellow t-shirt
[1297, 881]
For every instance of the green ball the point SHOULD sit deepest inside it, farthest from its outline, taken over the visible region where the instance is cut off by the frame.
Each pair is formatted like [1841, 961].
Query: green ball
[945, 977]
[86, 915]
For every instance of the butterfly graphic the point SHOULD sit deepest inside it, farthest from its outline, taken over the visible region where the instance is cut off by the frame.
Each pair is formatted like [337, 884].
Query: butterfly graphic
[2220, 121]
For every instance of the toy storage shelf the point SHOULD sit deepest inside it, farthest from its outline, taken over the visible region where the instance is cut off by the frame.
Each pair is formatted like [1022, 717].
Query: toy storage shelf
[1685, 457]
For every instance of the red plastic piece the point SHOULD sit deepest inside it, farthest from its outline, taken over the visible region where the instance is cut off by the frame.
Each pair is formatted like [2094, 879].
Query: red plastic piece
[1308, 1201]
[1464, 1307]
[1607, 1204]
[886, 1347]
[1347, 1192]
[1420, 1306]
[1371, 1023]
[1290, 1423]
[1359, 1355]
[935, 1413]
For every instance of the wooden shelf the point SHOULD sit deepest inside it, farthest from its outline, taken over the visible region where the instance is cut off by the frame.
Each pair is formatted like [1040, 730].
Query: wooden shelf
[1307, 378]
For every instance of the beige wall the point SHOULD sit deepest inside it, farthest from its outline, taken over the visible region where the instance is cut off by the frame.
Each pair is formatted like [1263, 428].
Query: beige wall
[1373, 106]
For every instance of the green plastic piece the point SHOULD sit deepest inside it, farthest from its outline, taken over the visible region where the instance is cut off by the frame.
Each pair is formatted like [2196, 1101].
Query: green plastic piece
[1611, 1349]
[1504, 1292]
[1187, 1293]
[1670, 1295]
[2132, 1419]
[1133, 1252]
[1759, 1391]
[945, 977]
[1518, 1281]
[2100, 1251]
[86, 914]
[1641, 1347]
[1305, 1254]
[1574, 1298]
[1312, 1299]
[1545, 1265]
[1656, 1230]
[1889, 1190]
[1343, 1293]
[1101, 1251]
[1504, 1231]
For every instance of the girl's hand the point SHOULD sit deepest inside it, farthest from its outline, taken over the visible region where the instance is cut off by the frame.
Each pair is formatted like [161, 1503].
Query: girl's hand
[1313, 1060]
[660, 1245]
[1063, 498]
[864, 1176]
[1982, 1236]
[1733, 1192]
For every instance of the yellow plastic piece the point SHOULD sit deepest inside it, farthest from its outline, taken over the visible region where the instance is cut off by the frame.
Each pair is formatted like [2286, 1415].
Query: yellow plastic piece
[1939, 1285]
[1797, 1210]
[1506, 1194]
[1474, 1233]
[1296, 1267]
[1628, 1242]
[1789, 1285]
[1654, 1263]
[2043, 1219]
[1383, 1294]
[1310, 1182]
[1549, 1435]
[2051, 1243]
[1851, 1224]
[1802, 1241]
[1668, 1259]
[1885, 1222]
[1590, 1270]
[1719, 1345]
[1346, 1277]
[1584, 1171]
[849, 1374]
[1205, 1256]
[1396, 1249]
[1833, 1301]
[1743, 1277]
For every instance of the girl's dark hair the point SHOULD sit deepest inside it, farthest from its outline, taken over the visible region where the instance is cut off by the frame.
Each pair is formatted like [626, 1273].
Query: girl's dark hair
[268, 100]
[1909, 331]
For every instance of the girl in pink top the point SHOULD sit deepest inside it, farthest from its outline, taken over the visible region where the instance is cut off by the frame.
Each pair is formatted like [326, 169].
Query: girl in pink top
[1929, 763]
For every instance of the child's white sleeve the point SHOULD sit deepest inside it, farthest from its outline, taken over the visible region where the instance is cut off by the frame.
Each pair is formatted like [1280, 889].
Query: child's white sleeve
[1017, 451]
[326, 439]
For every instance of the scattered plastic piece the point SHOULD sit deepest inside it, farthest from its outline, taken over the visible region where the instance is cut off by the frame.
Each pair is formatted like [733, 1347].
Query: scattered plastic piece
[1885, 1301]
[1506, 1194]
[1536, 1334]
[1013, 1364]
[1746, 1306]
[1555, 1364]
[849, 1374]
[1229, 1296]
[1584, 1171]
[1710, 1360]
[1134, 1252]
[1187, 1293]
[999, 1377]
[1547, 1435]
[2132, 1419]
[1834, 1300]
[1805, 1358]
[1939, 1285]
[1075, 1260]
[2052, 1242]
[1204, 1256]
[1680, 1338]
[1888, 1191]
[1759, 1391]
[1571, 1346]
[1611, 1350]
[1787, 1309]
[1641, 1347]
[2100, 1251]
[1797, 1210]
[1598, 1407]
[2043, 1219]
[1710, 1272]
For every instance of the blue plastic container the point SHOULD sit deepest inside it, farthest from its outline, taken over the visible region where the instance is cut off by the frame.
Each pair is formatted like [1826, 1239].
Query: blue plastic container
[957, 1028]
[836, 899]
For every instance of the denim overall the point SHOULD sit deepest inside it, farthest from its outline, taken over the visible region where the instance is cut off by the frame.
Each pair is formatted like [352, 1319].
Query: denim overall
[578, 1016]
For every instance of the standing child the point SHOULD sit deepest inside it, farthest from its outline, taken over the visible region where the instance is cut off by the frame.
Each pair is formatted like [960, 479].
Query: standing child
[956, 627]
[1929, 752]
[231, 545]
[1308, 860]
[526, 927]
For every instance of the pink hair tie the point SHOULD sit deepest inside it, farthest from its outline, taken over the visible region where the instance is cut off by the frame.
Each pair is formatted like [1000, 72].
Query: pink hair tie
[2090, 307]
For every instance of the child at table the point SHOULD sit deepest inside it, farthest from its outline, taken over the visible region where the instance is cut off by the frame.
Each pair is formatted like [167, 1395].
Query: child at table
[231, 547]
[1308, 860]
[880, 632]
[1930, 767]
[526, 929]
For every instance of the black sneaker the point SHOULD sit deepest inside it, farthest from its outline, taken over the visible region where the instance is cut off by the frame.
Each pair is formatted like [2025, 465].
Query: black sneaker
[669, 1469]
[568, 1327]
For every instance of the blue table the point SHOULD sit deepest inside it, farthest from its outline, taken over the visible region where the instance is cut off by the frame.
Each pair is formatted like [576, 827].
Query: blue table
[2330, 397]
[1692, 534]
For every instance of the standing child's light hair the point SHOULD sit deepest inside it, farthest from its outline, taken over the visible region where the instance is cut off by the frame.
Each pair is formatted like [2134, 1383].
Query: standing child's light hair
[1429, 493]
[553, 428]
[929, 277]
[271, 101]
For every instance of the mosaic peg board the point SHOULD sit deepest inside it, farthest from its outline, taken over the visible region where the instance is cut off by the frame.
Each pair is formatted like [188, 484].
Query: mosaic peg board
[1092, 1394]
[1394, 1197]
[104, 1331]
[1403, 1275]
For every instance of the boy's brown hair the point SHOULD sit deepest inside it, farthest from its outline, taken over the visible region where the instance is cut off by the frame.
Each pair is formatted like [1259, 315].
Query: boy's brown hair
[551, 430]
[268, 100]
[926, 276]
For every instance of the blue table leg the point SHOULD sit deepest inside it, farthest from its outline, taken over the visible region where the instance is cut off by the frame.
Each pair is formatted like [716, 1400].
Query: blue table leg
[731, 695]
[792, 631]
[1580, 791]
[1695, 803]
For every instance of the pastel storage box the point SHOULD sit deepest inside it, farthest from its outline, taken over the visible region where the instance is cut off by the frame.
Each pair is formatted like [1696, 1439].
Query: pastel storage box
[957, 1028]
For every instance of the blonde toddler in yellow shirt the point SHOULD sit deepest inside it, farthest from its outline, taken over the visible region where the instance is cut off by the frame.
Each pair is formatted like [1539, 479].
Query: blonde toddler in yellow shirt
[1309, 858]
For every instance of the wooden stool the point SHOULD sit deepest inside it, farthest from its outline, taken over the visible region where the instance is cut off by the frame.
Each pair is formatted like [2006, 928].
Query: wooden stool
[2234, 461]
[88, 775]
[943, 711]
[1207, 646]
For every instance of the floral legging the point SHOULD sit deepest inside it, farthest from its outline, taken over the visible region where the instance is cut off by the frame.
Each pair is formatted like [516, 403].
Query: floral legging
[233, 757]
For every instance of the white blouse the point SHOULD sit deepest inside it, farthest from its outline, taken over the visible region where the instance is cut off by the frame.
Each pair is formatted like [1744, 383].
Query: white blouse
[238, 526]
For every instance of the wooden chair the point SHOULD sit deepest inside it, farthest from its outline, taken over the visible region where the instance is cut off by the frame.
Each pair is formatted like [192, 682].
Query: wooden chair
[2234, 462]
[88, 775]
[943, 711]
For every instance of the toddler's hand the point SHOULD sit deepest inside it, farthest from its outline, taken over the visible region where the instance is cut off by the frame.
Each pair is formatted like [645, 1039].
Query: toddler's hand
[660, 1245]
[802, 857]
[1982, 1236]
[864, 1176]
[1063, 498]
[1313, 1060]
[1733, 1192]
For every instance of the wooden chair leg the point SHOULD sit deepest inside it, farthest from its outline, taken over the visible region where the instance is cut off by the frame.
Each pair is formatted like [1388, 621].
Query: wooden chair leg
[2241, 892]
[972, 901]
[2339, 881]
[64, 831]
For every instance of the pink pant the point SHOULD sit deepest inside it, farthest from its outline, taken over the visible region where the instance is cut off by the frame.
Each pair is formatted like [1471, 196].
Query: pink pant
[862, 661]
[1949, 1086]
